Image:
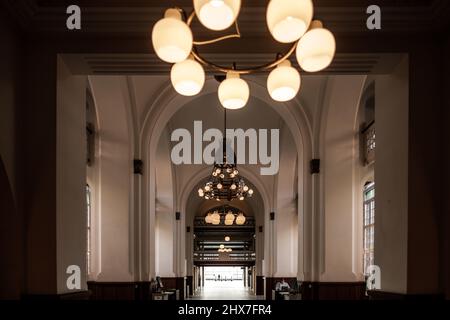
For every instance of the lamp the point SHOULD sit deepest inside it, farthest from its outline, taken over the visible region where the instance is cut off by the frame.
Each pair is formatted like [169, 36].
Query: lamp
[217, 14]
[172, 38]
[227, 238]
[283, 82]
[316, 48]
[288, 20]
[188, 77]
[240, 219]
[233, 92]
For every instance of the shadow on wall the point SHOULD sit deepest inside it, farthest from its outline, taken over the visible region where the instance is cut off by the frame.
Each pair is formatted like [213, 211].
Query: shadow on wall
[9, 244]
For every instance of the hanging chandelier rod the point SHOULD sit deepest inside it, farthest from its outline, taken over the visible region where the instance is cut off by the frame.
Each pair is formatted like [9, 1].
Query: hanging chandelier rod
[271, 65]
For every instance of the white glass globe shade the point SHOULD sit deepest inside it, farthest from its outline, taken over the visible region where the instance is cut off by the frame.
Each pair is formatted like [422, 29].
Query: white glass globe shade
[229, 217]
[283, 82]
[288, 20]
[208, 218]
[172, 38]
[227, 238]
[217, 14]
[250, 192]
[233, 92]
[215, 218]
[188, 77]
[222, 246]
[240, 219]
[315, 51]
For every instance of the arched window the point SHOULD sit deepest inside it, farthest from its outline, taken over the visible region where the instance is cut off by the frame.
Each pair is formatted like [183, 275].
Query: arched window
[88, 227]
[369, 224]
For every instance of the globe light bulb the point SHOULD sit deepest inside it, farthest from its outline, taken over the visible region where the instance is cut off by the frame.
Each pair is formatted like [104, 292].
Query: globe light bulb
[250, 192]
[187, 77]
[233, 187]
[172, 38]
[217, 14]
[316, 49]
[233, 92]
[283, 82]
[219, 186]
[288, 20]
[227, 238]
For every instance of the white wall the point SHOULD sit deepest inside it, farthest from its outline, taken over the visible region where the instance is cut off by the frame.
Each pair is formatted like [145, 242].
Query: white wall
[70, 175]
[115, 253]
[338, 154]
[286, 215]
[391, 176]
[165, 213]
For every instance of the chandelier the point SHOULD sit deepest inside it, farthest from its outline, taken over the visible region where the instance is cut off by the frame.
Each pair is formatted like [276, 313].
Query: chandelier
[228, 218]
[225, 183]
[289, 21]
[223, 249]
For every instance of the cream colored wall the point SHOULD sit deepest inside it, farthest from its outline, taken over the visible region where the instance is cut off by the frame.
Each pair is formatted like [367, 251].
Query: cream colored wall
[286, 215]
[338, 212]
[115, 249]
[71, 173]
[391, 176]
[165, 231]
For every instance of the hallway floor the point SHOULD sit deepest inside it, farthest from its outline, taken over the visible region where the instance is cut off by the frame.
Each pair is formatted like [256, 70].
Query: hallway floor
[224, 290]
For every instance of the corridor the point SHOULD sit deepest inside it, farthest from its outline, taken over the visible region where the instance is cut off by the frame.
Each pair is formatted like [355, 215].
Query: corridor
[225, 290]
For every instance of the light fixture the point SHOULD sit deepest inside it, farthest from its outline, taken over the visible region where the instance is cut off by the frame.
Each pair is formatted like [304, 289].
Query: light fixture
[227, 238]
[217, 14]
[315, 51]
[240, 219]
[172, 38]
[230, 217]
[288, 20]
[222, 246]
[283, 82]
[225, 182]
[233, 92]
[188, 77]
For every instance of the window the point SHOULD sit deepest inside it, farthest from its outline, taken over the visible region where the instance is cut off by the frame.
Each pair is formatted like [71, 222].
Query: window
[88, 225]
[369, 225]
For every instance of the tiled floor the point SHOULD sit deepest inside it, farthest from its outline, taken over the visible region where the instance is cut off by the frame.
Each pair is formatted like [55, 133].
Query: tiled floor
[226, 290]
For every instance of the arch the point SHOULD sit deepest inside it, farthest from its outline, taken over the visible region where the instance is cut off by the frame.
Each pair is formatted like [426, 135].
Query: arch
[161, 109]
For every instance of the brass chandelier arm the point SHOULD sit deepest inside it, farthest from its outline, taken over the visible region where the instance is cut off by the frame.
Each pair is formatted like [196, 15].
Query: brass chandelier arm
[205, 62]
[261, 68]
[206, 42]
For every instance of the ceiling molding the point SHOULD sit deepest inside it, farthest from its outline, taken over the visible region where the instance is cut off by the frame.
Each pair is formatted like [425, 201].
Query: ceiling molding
[120, 17]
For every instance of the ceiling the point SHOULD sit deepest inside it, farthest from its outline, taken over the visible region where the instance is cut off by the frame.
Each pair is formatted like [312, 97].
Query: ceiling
[137, 16]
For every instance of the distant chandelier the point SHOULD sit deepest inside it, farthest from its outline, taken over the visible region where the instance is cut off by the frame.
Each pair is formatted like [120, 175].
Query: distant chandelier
[223, 249]
[225, 183]
[228, 218]
[289, 21]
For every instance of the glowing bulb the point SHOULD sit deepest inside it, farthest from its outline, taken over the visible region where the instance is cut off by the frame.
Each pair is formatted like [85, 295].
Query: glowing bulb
[233, 187]
[283, 82]
[233, 92]
[227, 238]
[188, 77]
[219, 186]
[207, 188]
[250, 192]
[245, 188]
[316, 49]
[222, 246]
[217, 14]
[288, 20]
[172, 38]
